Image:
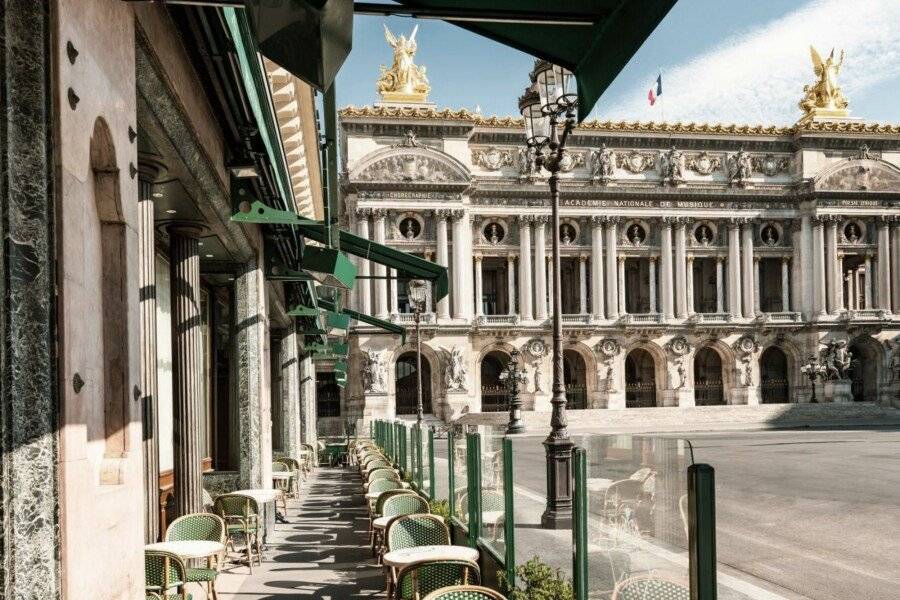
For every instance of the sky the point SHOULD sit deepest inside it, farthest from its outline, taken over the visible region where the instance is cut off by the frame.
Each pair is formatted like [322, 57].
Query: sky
[729, 61]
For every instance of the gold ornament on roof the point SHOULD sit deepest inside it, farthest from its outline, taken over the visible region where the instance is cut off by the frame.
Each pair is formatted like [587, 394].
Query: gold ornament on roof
[824, 99]
[404, 81]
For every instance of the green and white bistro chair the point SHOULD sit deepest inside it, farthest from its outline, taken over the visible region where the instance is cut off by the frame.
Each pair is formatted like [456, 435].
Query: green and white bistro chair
[421, 578]
[200, 526]
[465, 592]
[282, 485]
[164, 571]
[241, 516]
[293, 490]
[409, 531]
[392, 504]
[650, 587]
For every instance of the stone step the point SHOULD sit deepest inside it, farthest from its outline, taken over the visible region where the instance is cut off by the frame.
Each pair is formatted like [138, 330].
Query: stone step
[705, 418]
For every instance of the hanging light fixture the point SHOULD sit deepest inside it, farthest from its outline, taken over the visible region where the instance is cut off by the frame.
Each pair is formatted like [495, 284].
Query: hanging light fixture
[537, 124]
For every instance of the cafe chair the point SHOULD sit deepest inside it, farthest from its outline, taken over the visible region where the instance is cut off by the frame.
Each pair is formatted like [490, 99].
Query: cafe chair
[200, 526]
[293, 488]
[164, 571]
[421, 578]
[409, 531]
[649, 587]
[241, 516]
[396, 503]
[283, 486]
[465, 592]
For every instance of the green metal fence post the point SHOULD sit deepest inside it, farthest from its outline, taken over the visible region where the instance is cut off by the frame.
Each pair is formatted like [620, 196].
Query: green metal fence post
[509, 518]
[431, 484]
[473, 491]
[404, 455]
[579, 526]
[417, 452]
[702, 531]
[451, 478]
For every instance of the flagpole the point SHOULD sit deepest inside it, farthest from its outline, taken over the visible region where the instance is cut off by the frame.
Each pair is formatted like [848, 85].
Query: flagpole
[662, 101]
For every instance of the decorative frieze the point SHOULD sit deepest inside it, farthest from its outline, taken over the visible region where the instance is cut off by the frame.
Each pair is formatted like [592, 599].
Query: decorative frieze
[493, 158]
[636, 162]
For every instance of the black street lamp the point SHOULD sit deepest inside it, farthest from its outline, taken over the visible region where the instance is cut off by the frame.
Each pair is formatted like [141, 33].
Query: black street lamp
[550, 99]
[513, 377]
[813, 369]
[416, 293]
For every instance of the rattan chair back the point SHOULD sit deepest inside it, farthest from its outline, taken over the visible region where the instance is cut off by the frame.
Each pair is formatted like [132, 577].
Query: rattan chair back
[648, 587]
[164, 571]
[382, 473]
[236, 506]
[420, 578]
[465, 592]
[417, 530]
[196, 526]
[404, 503]
[383, 485]
[280, 467]
[385, 496]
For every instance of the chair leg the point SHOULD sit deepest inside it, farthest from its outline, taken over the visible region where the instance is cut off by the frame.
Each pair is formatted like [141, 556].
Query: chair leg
[249, 551]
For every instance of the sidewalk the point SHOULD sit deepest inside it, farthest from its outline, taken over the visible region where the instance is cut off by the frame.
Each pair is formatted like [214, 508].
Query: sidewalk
[322, 553]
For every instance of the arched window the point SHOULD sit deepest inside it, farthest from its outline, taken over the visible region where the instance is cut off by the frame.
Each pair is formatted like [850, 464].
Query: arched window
[493, 389]
[640, 379]
[574, 376]
[708, 378]
[407, 385]
[865, 356]
[773, 367]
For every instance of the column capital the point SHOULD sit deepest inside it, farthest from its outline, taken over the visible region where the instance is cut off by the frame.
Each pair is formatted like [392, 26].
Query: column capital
[689, 258]
[583, 257]
[653, 258]
[363, 212]
[785, 259]
[819, 220]
[457, 214]
[668, 221]
[734, 223]
[379, 213]
[525, 219]
[541, 220]
[885, 220]
[597, 220]
[756, 259]
[620, 258]
[441, 214]
[511, 258]
[478, 257]
[720, 259]
[612, 221]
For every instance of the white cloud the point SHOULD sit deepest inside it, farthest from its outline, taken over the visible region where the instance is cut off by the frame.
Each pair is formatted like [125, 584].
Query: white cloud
[758, 77]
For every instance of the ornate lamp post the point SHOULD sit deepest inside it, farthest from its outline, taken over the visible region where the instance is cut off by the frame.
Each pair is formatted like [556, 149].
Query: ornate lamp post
[416, 293]
[813, 369]
[513, 377]
[551, 99]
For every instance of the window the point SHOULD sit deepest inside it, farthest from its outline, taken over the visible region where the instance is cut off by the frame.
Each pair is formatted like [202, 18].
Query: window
[328, 395]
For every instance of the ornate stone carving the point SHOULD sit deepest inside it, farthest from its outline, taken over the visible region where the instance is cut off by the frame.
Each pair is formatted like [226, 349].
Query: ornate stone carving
[410, 168]
[747, 344]
[893, 354]
[864, 175]
[636, 162]
[603, 164]
[525, 161]
[704, 163]
[744, 349]
[678, 346]
[771, 165]
[740, 167]
[671, 166]
[455, 371]
[824, 98]
[375, 371]
[571, 160]
[404, 81]
[493, 158]
[536, 348]
[836, 357]
[409, 140]
[608, 348]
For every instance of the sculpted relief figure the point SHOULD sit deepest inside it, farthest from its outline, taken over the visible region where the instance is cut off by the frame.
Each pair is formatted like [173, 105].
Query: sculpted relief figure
[740, 166]
[671, 166]
[603, 163]
[455, 371]
[404, 80]
[836, 357]
[375, 371]
[824, 96]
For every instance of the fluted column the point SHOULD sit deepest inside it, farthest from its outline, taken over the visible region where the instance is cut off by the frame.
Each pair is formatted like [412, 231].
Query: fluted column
[842, 301]
[462, 265]
[381, 290]
[443, 257]
[653, 285]
[550, 281]
[734, 269]
[540, 268]
[290, 393]
[819, 304]
[884, 265]
[867, 292]
[895, 264]
[720, 280]
[747, 269]
[597, 303]
[511, 284]
[250, 342]
[612, 294]
[666, 282]
[681, 305]
[395, 291]
[796, 272]
[525, 308]
[832, 268]
[849, 289]
[187, 368]
[363, 283]
[582, 280]
[756, 292]
[621, 285]
[149, 387]
[785, 284]
[807, 275]
[479, 290]
[689, 285]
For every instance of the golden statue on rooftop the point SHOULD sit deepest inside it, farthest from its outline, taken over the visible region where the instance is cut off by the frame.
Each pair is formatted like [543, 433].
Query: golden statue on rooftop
[824, 98]
[404, 81]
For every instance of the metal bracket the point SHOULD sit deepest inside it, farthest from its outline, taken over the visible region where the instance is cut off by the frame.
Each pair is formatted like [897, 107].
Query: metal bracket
[260, 213]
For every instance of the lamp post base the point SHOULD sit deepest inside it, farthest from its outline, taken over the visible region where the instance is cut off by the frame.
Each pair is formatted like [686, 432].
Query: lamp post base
[558, 513]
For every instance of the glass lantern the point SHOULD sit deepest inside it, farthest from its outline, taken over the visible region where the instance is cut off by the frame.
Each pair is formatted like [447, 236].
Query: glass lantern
[537, 124]
[416, 293]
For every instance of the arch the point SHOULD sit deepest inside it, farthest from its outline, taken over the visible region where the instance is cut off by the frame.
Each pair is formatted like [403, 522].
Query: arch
[113, 309]
[858, 174]
[431, 375]
[866, 356]
[575, 378]
[774, 376]
[410, 164]
[642, 384]
[493, 389]
[708, 378]
[406, 384]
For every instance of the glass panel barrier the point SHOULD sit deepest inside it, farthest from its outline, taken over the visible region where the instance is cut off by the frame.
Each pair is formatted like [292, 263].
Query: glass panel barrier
[460, 476]
[493, 499]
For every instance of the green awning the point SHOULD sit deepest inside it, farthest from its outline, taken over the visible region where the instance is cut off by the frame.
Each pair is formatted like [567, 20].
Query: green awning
[368, 319]
[406, 264]
[595, 51]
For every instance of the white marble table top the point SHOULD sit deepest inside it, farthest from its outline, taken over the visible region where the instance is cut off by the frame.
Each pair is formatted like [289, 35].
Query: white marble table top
[187, 549]
[281, 476]
[260, 495]
[401, 558]
[492, 516]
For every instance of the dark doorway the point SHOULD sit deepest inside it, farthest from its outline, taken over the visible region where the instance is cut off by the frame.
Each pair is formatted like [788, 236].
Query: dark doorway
[574, 376]
[708, 378]
[407, 385]
[328, 395]
[864, 370]
[640, 379]
[773, 368]
[493, 390]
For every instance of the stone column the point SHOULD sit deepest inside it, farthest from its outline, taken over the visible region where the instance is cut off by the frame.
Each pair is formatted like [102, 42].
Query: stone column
[785, 284]
[290, 394]
[511, 284]
[720, 288]
[582, 279]
[869, 281]
[807, 275]
[849, 289]
[597, 303]
[443, 257]
[187, 368]
[308, 433]
[540, 268]
[895, 265]
[756, 291]
[479, 290]
[149, 398]
[819, 305]
[250, 326]
[462, 265]
[525, 309]
[381, 290]
[612, 294]
[689, 285]
[734, 269]
[796, 273]
[680, 289]
[550, 281]
[832, 268]
[747, 269]
[883, 299]
[653, 284]
[621, 285]
[363, 284]
[395, 291]
[857, 305]
[666, 281]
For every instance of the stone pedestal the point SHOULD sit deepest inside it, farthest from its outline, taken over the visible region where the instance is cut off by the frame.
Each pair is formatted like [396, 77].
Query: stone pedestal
[838, 390]
[680, 397]
[456, 404]
[746, 394]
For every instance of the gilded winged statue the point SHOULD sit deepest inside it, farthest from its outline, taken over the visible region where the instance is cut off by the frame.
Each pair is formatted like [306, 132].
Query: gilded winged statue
[825, 95]
[404, 81]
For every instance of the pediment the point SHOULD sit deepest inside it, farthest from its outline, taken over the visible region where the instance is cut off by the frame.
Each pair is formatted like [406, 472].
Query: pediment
[410, 165]
[865, 174]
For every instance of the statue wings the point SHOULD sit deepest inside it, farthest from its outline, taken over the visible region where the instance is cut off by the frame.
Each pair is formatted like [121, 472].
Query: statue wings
[412, 38]
[816, 60]
[389, 37]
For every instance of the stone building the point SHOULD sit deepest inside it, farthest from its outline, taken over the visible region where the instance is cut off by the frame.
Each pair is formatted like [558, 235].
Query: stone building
[701, 264]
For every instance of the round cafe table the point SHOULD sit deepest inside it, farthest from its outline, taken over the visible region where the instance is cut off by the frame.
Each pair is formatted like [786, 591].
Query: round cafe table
[189, 549]
[406, 556]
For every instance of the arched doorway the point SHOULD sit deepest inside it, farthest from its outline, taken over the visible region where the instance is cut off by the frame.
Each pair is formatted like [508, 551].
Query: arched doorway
[773, 368]
[708, 378]
[406, 389]
[493, 390]
[574, 376]
[865, 356]
[640, 379]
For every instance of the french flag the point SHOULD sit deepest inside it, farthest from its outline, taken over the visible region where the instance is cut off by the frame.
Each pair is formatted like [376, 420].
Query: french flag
[652, 94]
